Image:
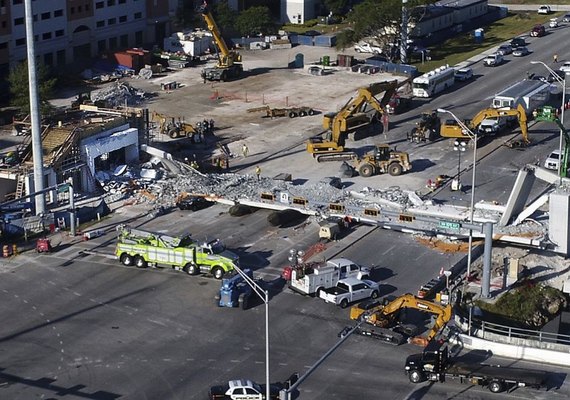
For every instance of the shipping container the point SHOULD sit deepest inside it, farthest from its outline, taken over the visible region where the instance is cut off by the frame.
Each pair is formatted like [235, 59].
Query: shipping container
[305, 40]
[325, 40]
[344, 60]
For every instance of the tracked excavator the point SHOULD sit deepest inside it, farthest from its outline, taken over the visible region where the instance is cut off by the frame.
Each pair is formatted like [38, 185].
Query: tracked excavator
[385, 319]
[452, 130]
[353, 116]
[229, 62]
[550, 114]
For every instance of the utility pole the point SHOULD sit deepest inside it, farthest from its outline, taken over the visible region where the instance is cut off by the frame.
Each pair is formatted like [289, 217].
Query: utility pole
[34, 111]
[404, 34]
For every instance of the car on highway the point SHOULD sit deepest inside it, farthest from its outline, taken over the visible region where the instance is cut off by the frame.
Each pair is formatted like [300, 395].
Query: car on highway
[518, 41]
[565, 67]
[566, 18]
[194, 203]
[552, 160]
[505, 49]
[492, 60]
[520, 51]
[242, 389]
[463, 74]
[544, 9]
[538, 31]
[553, 23]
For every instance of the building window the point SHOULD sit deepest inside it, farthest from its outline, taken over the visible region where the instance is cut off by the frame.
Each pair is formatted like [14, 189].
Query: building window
[110, 3]
[112, 43]
[138, 15]
[48, 59]
[46, 15]
[59, 33]
[4, 24]
[123, 18]
[19, 21]
[99, 4]
[46, 36]
[79, 9]
[124, 39]
[87, 7]
[60, 56]
[122, 1]
[100, 24]
[58, 13]
[18, 2]
[101, 46]
[112, 21]
[138, 38]
[72, 10]
[20, 42]
[3, 46]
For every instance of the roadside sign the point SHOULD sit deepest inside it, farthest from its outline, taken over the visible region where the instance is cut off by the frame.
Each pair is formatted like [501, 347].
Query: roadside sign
[449, 225]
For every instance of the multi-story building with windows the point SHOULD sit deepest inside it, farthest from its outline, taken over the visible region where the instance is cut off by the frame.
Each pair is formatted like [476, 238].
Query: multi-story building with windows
[72, 31]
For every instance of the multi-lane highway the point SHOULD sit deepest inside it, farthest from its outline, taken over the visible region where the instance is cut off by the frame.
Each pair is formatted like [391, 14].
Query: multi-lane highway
[78, 325]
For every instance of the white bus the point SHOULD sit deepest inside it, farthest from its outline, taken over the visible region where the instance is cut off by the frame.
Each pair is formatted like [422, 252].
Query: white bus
[433, 82]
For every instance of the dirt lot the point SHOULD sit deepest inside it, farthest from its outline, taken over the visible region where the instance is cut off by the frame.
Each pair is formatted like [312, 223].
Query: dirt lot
[268, 82]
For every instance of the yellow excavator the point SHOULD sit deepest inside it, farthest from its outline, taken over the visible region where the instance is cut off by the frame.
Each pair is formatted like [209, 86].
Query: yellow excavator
[351, 117]
[487, 122]
[229, 62]
[385, 319]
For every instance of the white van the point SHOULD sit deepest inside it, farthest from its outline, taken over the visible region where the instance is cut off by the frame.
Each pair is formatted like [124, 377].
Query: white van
[492, 60]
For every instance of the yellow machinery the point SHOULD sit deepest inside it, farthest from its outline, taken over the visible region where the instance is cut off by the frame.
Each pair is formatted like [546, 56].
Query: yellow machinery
[451, 129]
[176, 128]
[384, 318]
[229, 62]
[351, 117]
[383, 159]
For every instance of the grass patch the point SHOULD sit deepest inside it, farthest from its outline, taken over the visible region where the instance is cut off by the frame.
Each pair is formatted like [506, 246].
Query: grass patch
[463, 47]
[522, 303]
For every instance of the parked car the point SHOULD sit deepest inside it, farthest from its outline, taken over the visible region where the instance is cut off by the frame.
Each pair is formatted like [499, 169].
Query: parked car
[553, 23]
[505, 49]
[566, 18]
[544, 9]
[517, 42]
[241, 389]
[520, 51]
[463, 74]
[565, 67]
[492, 60]
[538, 31]
[552, 160]
[367, 48]
[193, 203]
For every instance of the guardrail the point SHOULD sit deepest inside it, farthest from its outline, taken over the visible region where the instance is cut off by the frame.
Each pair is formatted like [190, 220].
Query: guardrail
[516, 336]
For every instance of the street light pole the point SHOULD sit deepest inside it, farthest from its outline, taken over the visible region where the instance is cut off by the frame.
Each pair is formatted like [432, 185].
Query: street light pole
[473, 137]
[459, 146]
[563, 83]
[264, 295]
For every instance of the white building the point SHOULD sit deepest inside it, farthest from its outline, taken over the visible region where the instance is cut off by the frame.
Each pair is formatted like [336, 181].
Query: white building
[298, 11]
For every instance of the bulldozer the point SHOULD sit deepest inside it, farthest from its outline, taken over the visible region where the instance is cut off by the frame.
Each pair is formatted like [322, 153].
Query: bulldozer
[427, 128]
[381, 160]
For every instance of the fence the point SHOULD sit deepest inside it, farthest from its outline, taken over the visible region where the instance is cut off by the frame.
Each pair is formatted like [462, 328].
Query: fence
[518, 336]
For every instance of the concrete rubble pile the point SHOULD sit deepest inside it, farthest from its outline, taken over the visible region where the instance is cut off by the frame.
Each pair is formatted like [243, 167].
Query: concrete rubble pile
[120, 94]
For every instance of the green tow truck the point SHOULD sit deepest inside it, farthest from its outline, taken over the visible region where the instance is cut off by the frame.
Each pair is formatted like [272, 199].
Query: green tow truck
[142, 249]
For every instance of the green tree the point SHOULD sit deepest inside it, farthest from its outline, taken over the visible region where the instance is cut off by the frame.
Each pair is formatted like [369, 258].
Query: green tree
[225, 17]
[19, 87]
[336, 6]
[382, 19]
[186, 15]
[255, 20]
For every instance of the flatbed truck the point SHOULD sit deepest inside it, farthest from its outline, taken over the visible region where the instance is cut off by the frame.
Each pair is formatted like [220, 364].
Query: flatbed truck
[435, 365]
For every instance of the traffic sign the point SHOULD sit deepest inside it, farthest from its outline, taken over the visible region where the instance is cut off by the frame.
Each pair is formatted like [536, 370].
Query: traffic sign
[449, 225]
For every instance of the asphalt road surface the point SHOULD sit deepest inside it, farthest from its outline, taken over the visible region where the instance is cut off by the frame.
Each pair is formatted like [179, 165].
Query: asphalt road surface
[81, 326]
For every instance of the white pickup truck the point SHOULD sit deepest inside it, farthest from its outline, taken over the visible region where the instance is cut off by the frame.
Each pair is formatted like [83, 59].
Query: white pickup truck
[367, 48]
[492, 126]
[350, 290]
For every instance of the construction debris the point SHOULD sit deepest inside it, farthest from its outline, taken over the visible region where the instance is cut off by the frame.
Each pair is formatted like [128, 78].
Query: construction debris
[119, 94]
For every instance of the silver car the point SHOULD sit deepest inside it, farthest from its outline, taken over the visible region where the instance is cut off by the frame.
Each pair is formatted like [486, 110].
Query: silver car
[505, 49]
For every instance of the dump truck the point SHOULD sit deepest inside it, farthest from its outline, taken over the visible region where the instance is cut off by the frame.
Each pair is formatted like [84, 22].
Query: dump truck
[435, 364]
[143, 248]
